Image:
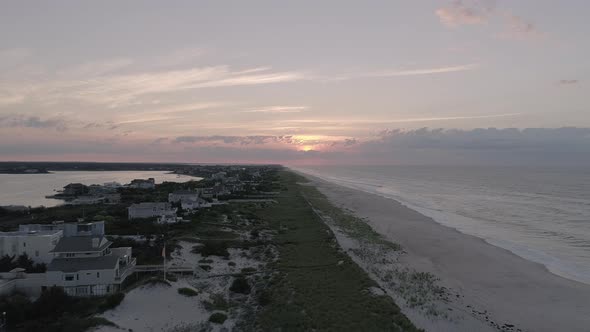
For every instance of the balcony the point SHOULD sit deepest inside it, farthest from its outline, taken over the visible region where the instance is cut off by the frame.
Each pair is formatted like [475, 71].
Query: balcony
[126, 270]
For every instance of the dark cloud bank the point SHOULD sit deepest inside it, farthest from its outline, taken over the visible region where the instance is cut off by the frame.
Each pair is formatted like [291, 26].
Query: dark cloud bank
[490, 146]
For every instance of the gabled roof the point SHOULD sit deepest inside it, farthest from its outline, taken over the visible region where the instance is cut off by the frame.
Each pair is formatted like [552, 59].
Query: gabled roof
[151, 205]
[81, 264]
[82, 244]
[185, 192]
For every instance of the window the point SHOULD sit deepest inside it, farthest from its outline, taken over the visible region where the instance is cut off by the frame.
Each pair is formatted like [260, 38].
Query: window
[36, 253]
[69, 277]
[77, 276]
[98, 274]
[24, 244]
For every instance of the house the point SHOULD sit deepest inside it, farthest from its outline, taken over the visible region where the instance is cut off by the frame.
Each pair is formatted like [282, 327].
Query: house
[183, 195]
[88, 266]
[207, 192]
[36, 244]
[193, 205]
[86, 200]
[75, 189]
[143, 184]
[150, 210]
[219, 175]
[220, 189]
[95, 228]
[112, 185]
[112, 198]
[168, 219]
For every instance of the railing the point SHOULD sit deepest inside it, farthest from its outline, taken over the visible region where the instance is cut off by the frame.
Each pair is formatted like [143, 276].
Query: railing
[129, 268]
[171, 269]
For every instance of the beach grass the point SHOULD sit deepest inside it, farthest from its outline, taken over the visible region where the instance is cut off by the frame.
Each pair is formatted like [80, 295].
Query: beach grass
[317, 286]
[348, 223]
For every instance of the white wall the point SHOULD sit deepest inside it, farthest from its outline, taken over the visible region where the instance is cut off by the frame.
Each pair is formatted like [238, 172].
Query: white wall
[81, 278]
[30, 284]
[37, 247]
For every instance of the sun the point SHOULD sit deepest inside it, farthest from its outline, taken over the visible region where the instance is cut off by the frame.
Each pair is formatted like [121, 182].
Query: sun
[306, 148]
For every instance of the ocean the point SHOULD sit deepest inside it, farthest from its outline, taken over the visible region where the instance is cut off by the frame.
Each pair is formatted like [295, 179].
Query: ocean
[540, 214]
[31, 189]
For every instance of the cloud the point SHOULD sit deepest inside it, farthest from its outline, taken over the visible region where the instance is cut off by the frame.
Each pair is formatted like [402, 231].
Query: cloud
[513, 141]
[241, 140]
[22, 121]
[515, 27]
[278, 109]
[483, 146]
[347, 142]
[459, 13]
[426, 71]
[568, 82]
[126, 82]
[11, 99]
[478, 12]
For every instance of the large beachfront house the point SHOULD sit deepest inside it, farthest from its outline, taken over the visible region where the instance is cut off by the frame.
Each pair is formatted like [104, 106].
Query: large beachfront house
[37, 244]
[183, 195]
[88, 266]
[150, 210]
[143, 184]
[95, 228]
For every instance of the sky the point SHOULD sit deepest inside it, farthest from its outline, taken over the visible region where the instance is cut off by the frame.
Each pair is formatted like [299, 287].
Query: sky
[300, 82]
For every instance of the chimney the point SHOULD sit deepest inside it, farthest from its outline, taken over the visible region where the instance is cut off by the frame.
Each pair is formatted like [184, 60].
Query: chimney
[95, 242]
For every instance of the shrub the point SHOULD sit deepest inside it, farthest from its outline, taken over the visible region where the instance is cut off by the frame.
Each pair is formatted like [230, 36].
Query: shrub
[264, 297]
[112, 301]
[157, 281]
[218, 318]
[217, 302]
[52, 301]
[212, 248]
[8, 263]
[240, 285]
[205, 267]
[248, 270]
[187, 291]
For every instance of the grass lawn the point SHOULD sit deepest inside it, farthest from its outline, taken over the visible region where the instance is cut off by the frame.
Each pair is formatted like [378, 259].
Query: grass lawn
[318, 287]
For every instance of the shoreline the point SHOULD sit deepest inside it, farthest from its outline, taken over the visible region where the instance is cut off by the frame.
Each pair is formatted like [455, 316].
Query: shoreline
[490, 283]
[529, 254]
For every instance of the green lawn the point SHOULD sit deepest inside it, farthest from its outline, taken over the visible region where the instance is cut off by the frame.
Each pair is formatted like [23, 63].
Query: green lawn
[318, 287]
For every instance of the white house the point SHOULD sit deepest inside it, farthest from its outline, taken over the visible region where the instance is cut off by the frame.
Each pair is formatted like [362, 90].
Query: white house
[218, 175]
[95, 228]
[183, 195]
[36, 244]
[87, 266]
[143, 184]
[193, 205]
[150, 210]
[87, 200]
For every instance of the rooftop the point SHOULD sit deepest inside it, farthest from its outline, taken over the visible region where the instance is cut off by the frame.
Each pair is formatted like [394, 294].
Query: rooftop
[31, 233]
[185, 192]
[80, 264]
[82, 244]
[151, 205]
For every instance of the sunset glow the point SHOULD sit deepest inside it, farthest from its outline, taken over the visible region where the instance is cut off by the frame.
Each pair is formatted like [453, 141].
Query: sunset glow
[133, 90]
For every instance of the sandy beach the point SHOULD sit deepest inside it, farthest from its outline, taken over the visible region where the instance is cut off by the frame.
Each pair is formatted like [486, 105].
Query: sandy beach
[491, 288]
